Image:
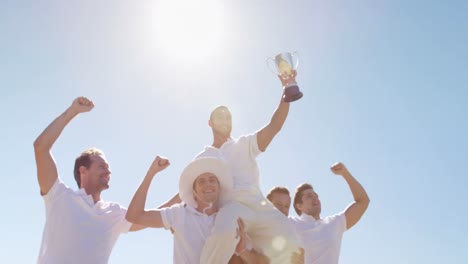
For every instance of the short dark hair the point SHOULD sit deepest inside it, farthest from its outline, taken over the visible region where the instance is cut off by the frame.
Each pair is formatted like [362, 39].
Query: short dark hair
[298, 196]
[277, 189]
[84, 160]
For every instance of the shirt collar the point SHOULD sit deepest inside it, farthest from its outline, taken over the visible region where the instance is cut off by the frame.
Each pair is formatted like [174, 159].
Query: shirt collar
[229, 141]
[309, 218]
[196, 212]
[87, 197]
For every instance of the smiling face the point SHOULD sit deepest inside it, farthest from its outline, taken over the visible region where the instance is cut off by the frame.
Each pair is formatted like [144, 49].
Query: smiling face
[281, 201]
[95, 178]
[221, 121]
[310, 203]
[206, 190]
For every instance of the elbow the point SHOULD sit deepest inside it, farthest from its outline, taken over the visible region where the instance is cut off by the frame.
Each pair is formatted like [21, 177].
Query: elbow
[277, 126]
[363, 201]
[367, 199]
[366, 202]
[132, 218]
[39, 145]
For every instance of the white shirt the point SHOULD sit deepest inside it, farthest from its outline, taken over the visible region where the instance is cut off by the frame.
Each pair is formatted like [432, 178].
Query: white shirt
[240, 155]
[262, 220]
[76, 229]
[191, 229]
[321, 239]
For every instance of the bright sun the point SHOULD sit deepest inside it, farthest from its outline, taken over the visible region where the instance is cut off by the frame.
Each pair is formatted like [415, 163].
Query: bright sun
[189, 30]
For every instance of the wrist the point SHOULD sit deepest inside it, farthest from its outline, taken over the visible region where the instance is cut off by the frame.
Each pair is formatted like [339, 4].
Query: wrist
[239, 253]
[70, 113]
[346, 175]
[149, 176]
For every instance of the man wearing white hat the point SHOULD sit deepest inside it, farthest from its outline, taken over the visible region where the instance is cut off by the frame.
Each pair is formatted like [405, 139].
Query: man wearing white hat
[204, 185]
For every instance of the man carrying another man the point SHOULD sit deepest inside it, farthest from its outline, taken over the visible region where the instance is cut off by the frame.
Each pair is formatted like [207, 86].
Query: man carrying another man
[321, 237]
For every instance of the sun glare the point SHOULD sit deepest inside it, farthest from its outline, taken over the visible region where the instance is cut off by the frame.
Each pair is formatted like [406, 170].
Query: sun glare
[189, 30]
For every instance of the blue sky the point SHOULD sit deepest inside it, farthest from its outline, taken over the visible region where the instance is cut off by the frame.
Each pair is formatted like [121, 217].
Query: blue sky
[385, 88]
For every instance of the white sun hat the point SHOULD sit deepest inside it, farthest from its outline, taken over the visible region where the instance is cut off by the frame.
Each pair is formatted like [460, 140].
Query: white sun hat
[199, 166]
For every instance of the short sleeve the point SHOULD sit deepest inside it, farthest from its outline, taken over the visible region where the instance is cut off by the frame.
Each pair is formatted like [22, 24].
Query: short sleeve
[173, 216]
[123, 225]
[339, 221]
[56, 191]
[251, 143]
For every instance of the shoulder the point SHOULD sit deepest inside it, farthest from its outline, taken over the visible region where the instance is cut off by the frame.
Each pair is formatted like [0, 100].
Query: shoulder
[294, 220]
[247, 140]
[336, 216]
[336, 219]
[113, 205]
[208, 151]
[247, 137]
[176, 209]
[58, 189]
[113, 209]
[174, 217]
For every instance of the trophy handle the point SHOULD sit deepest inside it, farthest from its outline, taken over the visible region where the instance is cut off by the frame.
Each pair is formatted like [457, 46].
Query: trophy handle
[295, 54]
[271, 66]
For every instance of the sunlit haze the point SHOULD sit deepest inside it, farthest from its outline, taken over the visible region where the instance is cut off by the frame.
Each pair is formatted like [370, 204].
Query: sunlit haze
[385, 87]
[189, 31]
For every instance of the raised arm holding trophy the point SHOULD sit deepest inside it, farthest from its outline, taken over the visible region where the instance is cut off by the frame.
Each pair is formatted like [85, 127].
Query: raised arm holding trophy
[270, 231]
[286, 65]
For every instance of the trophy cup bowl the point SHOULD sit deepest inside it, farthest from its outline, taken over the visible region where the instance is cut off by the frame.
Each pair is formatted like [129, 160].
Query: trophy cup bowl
[286, 64]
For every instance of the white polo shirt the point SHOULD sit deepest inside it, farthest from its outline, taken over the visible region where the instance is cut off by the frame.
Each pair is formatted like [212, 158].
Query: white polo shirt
[240, 155]
[321, 239]
[262, 220]
[76, 229]
[191, 229]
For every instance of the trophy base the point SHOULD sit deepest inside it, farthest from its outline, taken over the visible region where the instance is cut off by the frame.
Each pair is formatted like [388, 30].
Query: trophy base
[292, 94]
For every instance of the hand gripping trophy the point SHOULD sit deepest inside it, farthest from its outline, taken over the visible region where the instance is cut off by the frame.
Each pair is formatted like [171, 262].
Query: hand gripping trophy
[286, 70]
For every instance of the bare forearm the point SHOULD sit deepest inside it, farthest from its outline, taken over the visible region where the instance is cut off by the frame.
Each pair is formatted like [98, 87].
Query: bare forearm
[357, 208]
[266, 134]
[174, 200]
[48, 137]
[359, 193]
[280, 115]
[136, 212]
[46, 169]
[137, 205]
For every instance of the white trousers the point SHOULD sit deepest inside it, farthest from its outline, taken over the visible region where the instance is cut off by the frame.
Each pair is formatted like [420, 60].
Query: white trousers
[270, 231]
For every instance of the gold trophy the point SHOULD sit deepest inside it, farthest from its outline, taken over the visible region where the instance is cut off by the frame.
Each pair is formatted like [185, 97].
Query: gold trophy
[286, 70]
